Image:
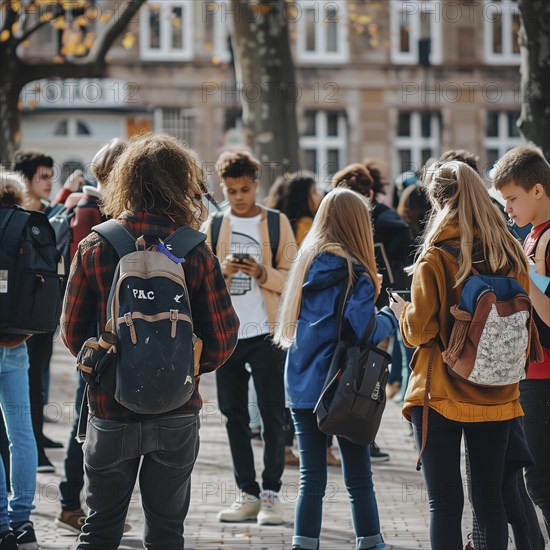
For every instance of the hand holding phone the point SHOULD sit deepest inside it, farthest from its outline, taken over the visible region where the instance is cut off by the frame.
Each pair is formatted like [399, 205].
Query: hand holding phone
[397, 304]
[240, 257]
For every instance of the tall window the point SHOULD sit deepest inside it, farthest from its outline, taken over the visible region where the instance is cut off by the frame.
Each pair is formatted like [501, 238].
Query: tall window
[321, 31]
[166, 30]
[501, 25]
[176, 122]
[501, 134]
[324, 143]
[412, 22]
[417, 139]
[215, 18]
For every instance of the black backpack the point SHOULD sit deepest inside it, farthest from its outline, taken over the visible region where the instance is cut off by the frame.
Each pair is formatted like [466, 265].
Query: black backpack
[61, 219]
[149, 312]
[31, 273]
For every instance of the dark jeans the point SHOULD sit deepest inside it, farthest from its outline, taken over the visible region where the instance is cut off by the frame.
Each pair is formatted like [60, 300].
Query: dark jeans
[487, 443]
[40, 348]
[520, 511]
[357, 473]
[535, 400]
[267, 363]
[112, 453]
[73, 481]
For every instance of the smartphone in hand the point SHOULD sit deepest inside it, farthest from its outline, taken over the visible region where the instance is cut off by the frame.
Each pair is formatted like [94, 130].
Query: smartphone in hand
[403, 294]
[239, 257]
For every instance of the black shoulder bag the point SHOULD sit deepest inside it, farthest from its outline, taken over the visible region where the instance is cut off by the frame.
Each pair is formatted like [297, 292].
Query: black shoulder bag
[354, 394]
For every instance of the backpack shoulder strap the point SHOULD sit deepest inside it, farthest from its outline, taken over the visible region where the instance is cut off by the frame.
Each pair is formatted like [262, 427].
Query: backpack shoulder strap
[217, 220]
[274, 231]
[450, 249]
[183, 240]
[543, 242]
[10, 233]
[117, 236]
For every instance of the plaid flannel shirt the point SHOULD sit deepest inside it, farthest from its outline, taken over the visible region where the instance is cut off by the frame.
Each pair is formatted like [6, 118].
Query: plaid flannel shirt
[90, 280]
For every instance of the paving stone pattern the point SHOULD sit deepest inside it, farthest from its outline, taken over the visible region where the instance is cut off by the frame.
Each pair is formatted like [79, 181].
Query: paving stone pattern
[400, 491]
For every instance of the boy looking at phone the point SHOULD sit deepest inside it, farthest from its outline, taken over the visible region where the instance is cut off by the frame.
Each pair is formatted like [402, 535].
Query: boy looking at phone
[255, 274]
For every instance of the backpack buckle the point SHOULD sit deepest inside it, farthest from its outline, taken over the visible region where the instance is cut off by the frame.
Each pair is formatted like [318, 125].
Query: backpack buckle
[130, 322]
[173, 319]
[376, 392]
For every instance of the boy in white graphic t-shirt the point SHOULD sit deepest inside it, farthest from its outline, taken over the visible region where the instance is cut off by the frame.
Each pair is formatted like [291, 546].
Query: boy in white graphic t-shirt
[255, 280]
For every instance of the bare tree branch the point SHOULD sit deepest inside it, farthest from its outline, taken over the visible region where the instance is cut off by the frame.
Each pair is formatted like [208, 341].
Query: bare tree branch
[113, 30]
[40, 23]
[10, 17]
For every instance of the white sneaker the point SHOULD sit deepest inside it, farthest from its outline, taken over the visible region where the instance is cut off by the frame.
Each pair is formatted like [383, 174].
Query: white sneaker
[271, 512]
[244, 508]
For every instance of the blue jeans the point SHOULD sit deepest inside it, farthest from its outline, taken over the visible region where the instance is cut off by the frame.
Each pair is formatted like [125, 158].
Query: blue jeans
[313, 480]
[14, 401]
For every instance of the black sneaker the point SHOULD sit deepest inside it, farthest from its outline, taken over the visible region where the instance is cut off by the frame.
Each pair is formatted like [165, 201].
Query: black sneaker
[376, 455]
[44, 465]
[47, 443]
[8, 541]
[26, 539]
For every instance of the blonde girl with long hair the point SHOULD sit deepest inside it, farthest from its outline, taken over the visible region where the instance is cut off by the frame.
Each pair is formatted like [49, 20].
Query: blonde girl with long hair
[336, 256]
[463, 219]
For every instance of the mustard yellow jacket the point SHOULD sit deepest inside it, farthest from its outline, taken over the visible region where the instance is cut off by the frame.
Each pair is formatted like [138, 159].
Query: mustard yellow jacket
[272, 283]
[425, 318]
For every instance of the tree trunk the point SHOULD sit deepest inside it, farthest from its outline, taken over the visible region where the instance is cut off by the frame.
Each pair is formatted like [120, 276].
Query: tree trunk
[266, 84]
[10, 113]
[534, 123]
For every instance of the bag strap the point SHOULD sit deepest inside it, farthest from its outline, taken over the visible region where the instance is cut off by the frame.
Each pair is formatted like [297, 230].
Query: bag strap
[273, 228]
[425, 404]
[543, 242]
[117, 236]
[183, 240]
[10, 234]
[340, 315]
[455, 252]
[215, 227]
[274, 231]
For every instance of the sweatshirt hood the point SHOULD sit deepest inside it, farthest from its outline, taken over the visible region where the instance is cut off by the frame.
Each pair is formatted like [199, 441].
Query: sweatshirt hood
[327, 270]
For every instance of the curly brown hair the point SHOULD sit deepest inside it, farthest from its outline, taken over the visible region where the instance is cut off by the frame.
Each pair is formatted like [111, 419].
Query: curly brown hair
[158, 175]
[237, 164]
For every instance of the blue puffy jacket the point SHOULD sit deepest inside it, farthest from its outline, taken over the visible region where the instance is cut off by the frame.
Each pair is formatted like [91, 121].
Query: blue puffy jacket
[308, 359]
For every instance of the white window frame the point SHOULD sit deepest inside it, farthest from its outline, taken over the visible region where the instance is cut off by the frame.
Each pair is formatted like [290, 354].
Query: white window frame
[166, 52]
[415, 8]
[507, 9]
[221, 33]
[187, 114]
[72, 134]
[416, 142]
[503, 142]
[321, 55]
[321, 142]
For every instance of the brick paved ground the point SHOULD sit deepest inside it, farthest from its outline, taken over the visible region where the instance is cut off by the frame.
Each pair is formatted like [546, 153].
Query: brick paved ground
[400, 493]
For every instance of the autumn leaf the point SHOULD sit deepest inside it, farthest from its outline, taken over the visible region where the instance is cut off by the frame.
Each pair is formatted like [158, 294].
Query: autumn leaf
[216, 60]
[128, 41]
[59, 24]
[5, 35]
